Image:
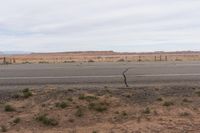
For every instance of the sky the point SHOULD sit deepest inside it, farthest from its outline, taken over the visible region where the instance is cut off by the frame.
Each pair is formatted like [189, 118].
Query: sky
[83, 25]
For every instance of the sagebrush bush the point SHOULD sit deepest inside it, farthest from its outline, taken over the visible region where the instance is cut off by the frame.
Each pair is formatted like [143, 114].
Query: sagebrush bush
[146, 111]
[9, 108]
[62, 105]
[16, 120]
[168, 103]
[27, 93]
[79, 112]
[3, 128]
[43, 118]
[99, 107]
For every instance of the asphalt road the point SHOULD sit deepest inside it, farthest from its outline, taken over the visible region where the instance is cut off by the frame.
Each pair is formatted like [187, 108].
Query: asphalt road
[100, 73]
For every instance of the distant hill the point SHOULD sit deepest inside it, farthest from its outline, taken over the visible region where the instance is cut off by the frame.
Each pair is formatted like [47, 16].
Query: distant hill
[94, 53]
[115, 53]
[14, 52]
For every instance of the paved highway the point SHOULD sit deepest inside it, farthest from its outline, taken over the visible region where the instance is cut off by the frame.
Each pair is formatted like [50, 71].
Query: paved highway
[100, 73]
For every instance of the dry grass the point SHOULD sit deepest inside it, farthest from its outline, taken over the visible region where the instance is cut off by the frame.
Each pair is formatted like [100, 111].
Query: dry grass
[103, 56]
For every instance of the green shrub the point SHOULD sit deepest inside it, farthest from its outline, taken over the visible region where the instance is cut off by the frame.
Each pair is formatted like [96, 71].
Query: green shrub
[186, 100]
[16, 96]
[71, 120]
[27, 93]
[124, 113]
[46, 120]
[26, 62]
[70, 99]
[90, 98]
[62, 105]
[87, 98]
[184, 114]
[25, 90]
[9, 108]
[81, 97]
[198, 93]
[3, 128]
[99, 107]
[79, 112]
[43, 62]
[16, 120]
[147, 111]
[70, 90]
[168, 103]
[121, 60]
[69, 61]
[91, 61]
[159, 99]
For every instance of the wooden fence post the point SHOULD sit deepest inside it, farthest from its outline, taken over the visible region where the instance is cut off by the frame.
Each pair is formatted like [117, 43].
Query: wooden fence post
[139, 59]
[4, 60]
[166, 59]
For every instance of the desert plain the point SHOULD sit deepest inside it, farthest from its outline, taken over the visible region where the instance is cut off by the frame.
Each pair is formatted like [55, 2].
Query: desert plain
[88, 94]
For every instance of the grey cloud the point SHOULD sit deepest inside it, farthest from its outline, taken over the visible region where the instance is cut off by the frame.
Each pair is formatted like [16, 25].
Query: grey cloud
[123, 25]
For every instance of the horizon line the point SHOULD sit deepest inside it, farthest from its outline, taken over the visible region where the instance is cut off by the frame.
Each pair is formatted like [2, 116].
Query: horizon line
[90, 51]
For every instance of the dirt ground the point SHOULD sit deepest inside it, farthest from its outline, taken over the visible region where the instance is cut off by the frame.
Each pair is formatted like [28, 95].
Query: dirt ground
[62, 109]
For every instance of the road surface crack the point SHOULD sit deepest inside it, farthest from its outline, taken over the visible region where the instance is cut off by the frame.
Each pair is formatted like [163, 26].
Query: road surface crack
[124, 75]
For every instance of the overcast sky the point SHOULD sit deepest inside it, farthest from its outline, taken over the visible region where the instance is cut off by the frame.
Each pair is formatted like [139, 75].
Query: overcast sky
[119, 25]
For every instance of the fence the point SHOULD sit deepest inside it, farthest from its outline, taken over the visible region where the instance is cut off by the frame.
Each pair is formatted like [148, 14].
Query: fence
[7, 60]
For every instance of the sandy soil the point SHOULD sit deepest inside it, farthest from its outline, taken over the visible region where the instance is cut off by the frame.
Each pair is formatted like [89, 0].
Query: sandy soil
[60, 109]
